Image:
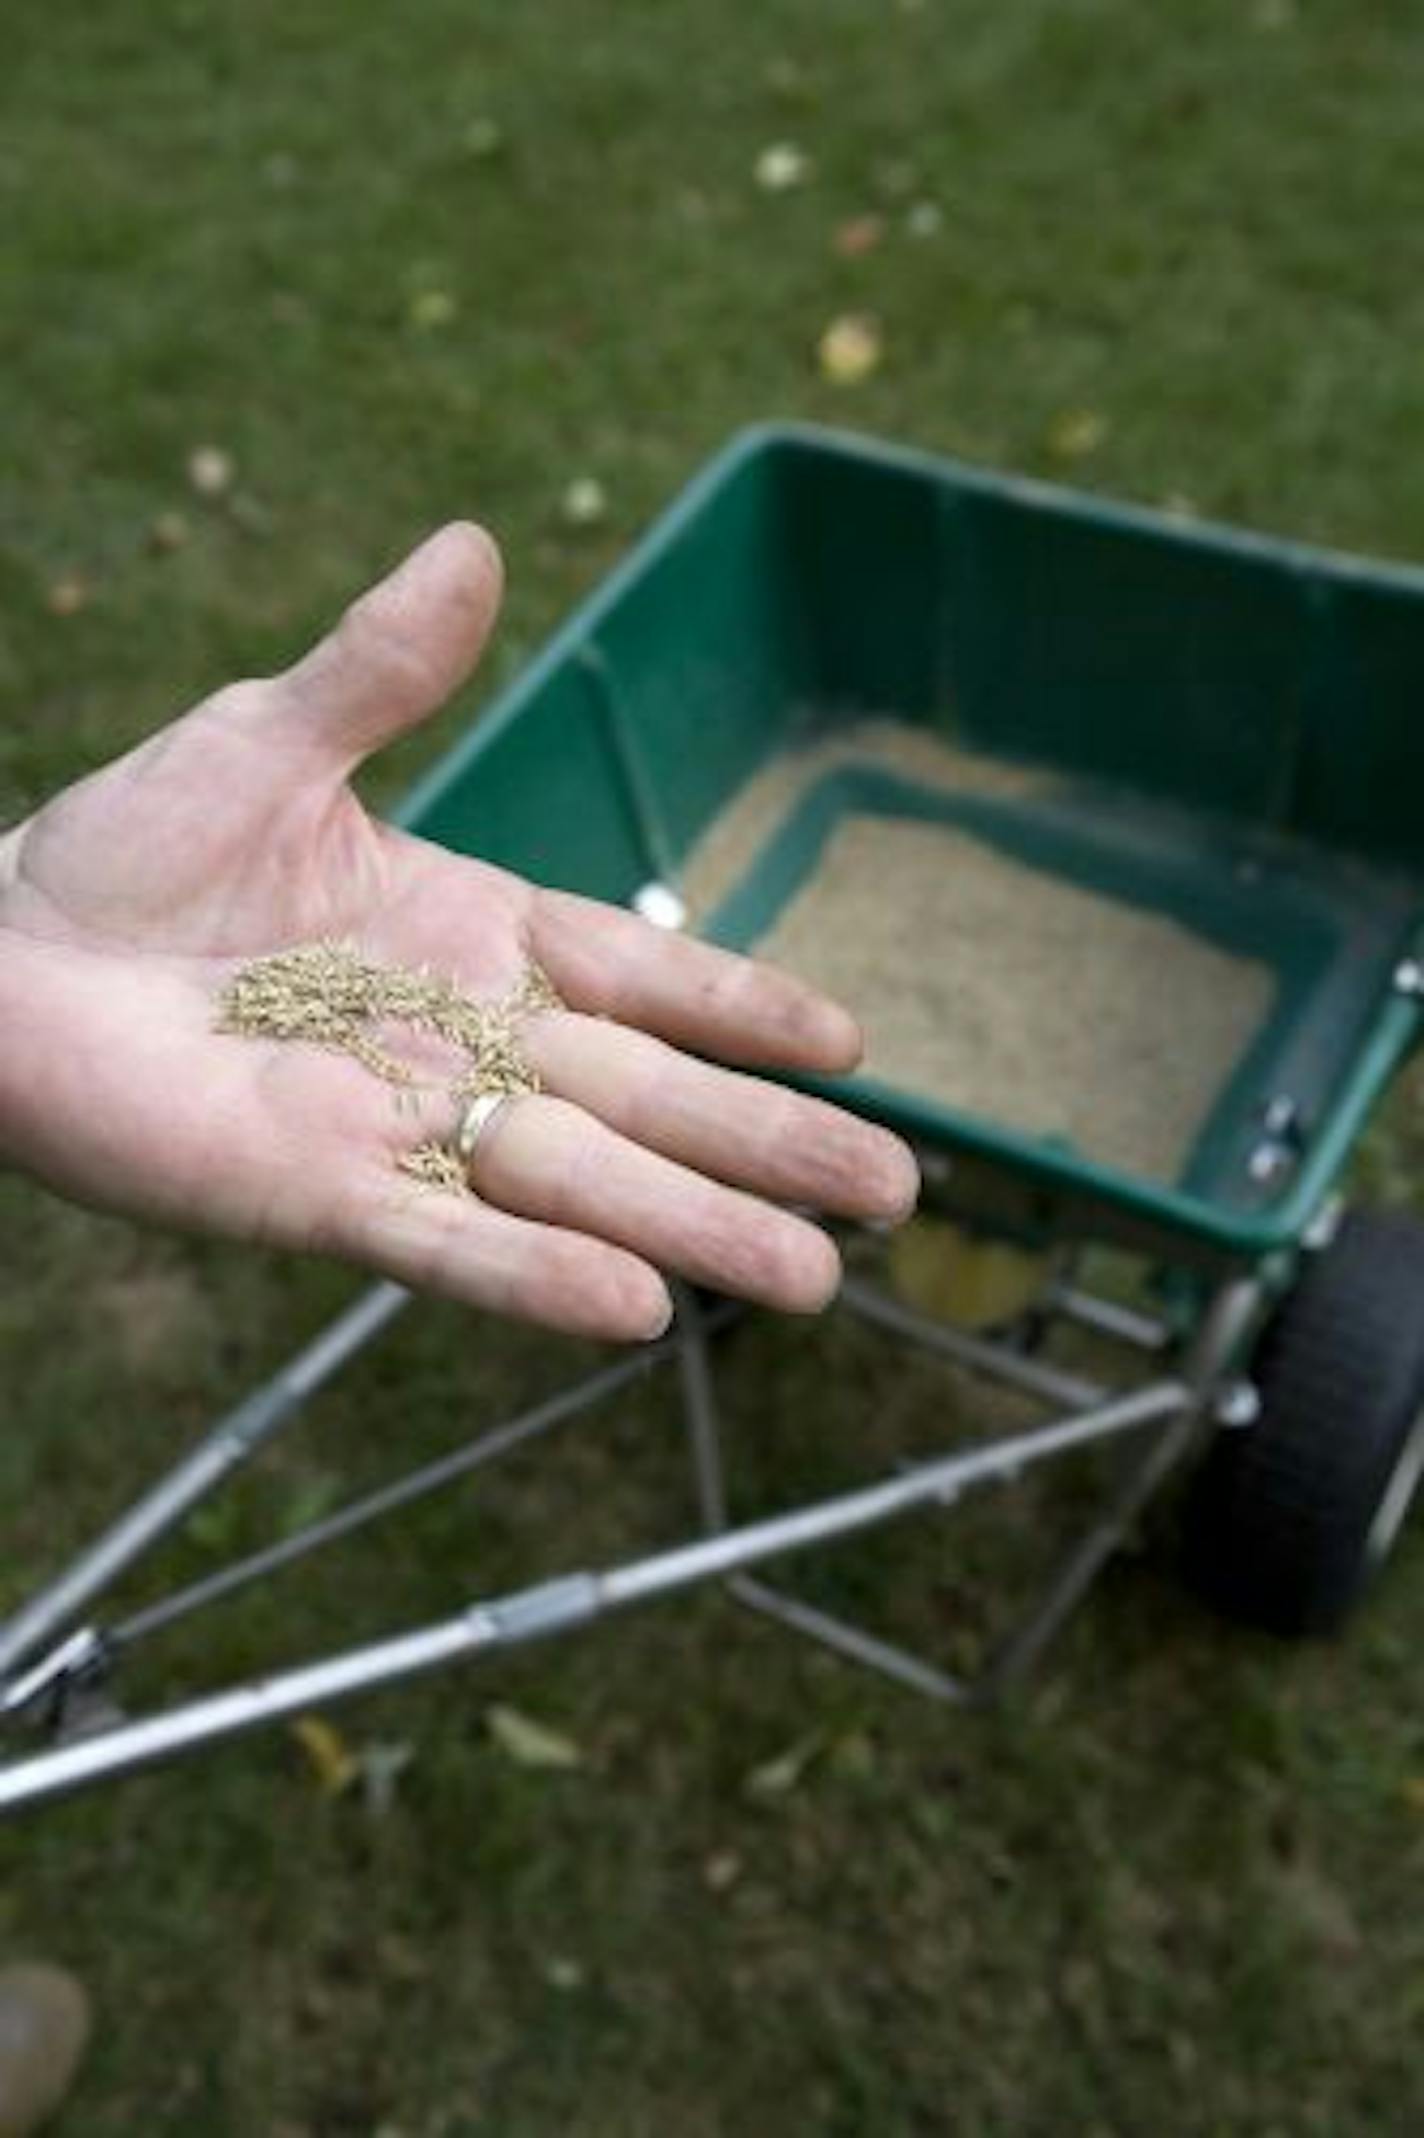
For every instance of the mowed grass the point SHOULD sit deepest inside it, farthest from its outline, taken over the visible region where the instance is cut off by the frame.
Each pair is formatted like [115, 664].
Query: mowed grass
[405, 264]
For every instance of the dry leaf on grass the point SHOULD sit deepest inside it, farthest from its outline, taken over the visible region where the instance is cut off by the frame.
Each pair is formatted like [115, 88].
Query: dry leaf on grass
[529, 1743]
[781, 166]
[778, 1777]
[584, 502]
[210, 470]
[859, 236]
[338, 1767]
[850, 349]
[334, 1766]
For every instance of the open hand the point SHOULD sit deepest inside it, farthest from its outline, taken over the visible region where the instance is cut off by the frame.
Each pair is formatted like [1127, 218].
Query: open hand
[128, 902]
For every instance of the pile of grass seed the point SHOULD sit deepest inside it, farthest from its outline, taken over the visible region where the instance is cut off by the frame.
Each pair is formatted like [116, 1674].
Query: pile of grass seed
[329, 995]
[991, 986]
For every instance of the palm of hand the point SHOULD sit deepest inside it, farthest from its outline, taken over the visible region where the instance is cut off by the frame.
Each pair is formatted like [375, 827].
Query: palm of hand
[126, 905]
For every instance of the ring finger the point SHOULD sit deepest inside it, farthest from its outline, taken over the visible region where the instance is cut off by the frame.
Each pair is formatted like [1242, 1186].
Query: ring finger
[545, 1158]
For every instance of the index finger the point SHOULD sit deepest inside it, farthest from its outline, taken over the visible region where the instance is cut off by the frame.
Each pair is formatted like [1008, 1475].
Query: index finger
[615, 965]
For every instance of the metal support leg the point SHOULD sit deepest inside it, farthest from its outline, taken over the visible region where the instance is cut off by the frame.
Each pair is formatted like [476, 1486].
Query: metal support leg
[853, 1642]
[232, 1440]
[975, 1354]
[1015, 1656]
[978, 1354]
[704, 1433]
[1227, 1320]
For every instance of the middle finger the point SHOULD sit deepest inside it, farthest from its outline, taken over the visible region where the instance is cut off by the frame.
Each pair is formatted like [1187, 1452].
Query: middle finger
[737, 1128]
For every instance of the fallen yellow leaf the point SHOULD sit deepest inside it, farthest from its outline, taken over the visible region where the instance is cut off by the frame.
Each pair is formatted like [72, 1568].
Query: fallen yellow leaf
[333, 1764]
[850, 349]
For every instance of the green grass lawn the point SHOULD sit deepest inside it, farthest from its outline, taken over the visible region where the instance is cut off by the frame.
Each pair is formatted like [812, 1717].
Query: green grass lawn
[404, 264]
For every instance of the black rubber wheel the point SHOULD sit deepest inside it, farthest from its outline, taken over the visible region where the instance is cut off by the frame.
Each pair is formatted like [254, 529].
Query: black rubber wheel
[1290, 1517]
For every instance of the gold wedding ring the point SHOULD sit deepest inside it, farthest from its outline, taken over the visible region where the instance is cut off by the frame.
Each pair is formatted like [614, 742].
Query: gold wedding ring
[474, 1121]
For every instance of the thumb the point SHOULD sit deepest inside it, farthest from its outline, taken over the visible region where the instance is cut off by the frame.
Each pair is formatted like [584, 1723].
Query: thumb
[400, 649]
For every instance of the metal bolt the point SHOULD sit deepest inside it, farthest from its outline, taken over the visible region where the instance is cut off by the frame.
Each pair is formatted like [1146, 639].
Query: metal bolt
[1238, 1405]
[660, 904]
[1324, 1225]
[1282, 1116]
[1268, 1160]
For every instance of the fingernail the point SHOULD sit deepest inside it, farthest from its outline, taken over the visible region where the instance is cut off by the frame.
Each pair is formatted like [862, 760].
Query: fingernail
[663, 1323]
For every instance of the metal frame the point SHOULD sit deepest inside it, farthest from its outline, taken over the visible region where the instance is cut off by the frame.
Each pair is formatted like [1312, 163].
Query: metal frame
[65, 1684]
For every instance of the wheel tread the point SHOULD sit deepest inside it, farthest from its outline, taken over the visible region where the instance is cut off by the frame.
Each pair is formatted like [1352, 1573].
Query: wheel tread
[1278, 1523]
